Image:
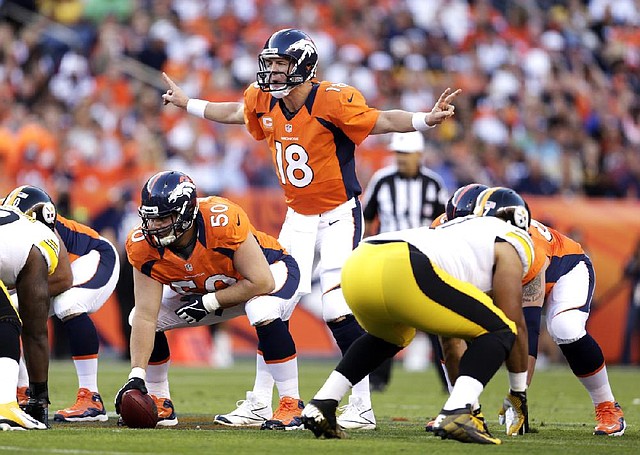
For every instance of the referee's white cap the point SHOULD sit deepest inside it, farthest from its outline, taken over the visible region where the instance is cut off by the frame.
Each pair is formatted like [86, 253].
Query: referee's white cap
[407, 142]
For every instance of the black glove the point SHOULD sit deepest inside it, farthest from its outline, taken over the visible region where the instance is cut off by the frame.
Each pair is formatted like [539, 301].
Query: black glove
[514, 414]
[132, 383]
[195, 309]
[38, 408]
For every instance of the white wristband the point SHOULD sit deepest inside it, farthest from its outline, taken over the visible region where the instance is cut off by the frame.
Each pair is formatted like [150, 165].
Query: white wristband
[419, 121]
[137, 372]
[518, 381]
[210, 302]
[196, 107]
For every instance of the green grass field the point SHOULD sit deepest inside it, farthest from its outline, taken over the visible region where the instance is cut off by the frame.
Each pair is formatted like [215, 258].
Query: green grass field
[561, 416]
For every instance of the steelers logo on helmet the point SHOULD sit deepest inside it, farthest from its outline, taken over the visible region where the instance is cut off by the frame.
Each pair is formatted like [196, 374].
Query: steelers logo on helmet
[35, 203]
[521, 217]
[504, 203]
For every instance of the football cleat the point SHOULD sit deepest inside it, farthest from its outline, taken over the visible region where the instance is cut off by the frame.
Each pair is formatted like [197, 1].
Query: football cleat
[610, 419]
[22, 395]
[319, 416]
[166, 412]
[87, 408]
[476, 413]
[462, 425]
[249, 413]
[287, 416]
[13, 418]
[356, 415]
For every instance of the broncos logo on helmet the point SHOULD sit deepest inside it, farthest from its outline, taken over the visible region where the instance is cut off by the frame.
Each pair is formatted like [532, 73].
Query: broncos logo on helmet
[185, 188]
[167, 194]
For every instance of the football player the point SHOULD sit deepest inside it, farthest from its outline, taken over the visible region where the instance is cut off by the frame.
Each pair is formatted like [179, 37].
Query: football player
[93, 265]
[435, 280]
[28, 255]
[565, 275]
[201, 262]
[562, 279]
[312, 129]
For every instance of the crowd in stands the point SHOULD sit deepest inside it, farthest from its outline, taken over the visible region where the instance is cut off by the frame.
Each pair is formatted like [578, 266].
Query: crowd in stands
[549, 106]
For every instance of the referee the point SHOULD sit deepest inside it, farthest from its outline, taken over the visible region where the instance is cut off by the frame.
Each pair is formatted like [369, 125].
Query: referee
[403, 195]
[406, 194]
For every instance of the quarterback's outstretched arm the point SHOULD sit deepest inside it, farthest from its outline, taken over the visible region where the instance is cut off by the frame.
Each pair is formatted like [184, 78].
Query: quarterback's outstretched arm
[399, 121]
[230, 113]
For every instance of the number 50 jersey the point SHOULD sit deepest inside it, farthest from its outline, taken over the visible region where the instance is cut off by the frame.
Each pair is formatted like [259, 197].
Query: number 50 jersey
[221, 227]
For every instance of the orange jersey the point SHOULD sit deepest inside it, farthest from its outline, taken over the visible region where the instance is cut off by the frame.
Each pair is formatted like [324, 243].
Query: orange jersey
[563, 254]
[313, 149]
[221, 227]
[79, 239]
[441, 219]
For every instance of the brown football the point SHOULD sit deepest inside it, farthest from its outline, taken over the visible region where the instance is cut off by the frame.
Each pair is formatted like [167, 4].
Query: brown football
[138, 410]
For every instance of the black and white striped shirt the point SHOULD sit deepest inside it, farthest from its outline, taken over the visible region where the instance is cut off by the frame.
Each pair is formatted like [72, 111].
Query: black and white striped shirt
[404, 203]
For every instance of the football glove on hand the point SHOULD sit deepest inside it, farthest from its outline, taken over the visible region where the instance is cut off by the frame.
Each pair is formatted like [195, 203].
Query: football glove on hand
[132, 383]
[197, 307]
[38, 408]
[514, 414]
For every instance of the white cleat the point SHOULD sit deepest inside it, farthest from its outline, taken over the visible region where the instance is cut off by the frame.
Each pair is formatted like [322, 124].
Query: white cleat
[249, 413]
[356, 415]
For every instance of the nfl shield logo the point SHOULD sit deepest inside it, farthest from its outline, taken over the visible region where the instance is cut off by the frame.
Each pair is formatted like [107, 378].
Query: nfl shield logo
[188, 267]
[288, 128]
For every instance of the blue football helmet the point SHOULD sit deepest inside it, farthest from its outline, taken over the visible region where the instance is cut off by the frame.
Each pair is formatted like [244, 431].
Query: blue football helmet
[294, 46]
[463, 200]
[35, 203]
[506, 204]
[168, 194]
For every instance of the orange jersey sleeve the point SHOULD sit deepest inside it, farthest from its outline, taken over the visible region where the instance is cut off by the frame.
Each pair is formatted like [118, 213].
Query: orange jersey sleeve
[441, 219]
[313, 149]
[221, 227]
[541, 249]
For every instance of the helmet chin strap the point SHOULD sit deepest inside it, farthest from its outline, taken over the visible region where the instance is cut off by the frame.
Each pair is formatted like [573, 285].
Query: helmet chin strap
[279, 94]
[167, 240]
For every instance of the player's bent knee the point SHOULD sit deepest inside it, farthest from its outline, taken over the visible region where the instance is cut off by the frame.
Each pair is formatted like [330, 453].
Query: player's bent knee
[567, 327]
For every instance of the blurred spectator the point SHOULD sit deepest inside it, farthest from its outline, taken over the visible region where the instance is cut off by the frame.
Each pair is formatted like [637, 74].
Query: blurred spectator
[535, 77]
[632, 329]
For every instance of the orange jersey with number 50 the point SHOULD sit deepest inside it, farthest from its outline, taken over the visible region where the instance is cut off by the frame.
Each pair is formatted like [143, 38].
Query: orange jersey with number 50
[221, 227]
[313, 149]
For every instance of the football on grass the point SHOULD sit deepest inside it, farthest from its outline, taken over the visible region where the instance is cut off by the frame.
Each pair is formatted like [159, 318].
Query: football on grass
[138, 410]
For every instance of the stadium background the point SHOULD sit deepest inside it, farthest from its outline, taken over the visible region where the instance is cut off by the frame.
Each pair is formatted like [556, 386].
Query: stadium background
[550, 107]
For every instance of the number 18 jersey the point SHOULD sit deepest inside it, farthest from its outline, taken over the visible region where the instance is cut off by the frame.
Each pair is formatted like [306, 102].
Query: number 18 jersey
[313, 149]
